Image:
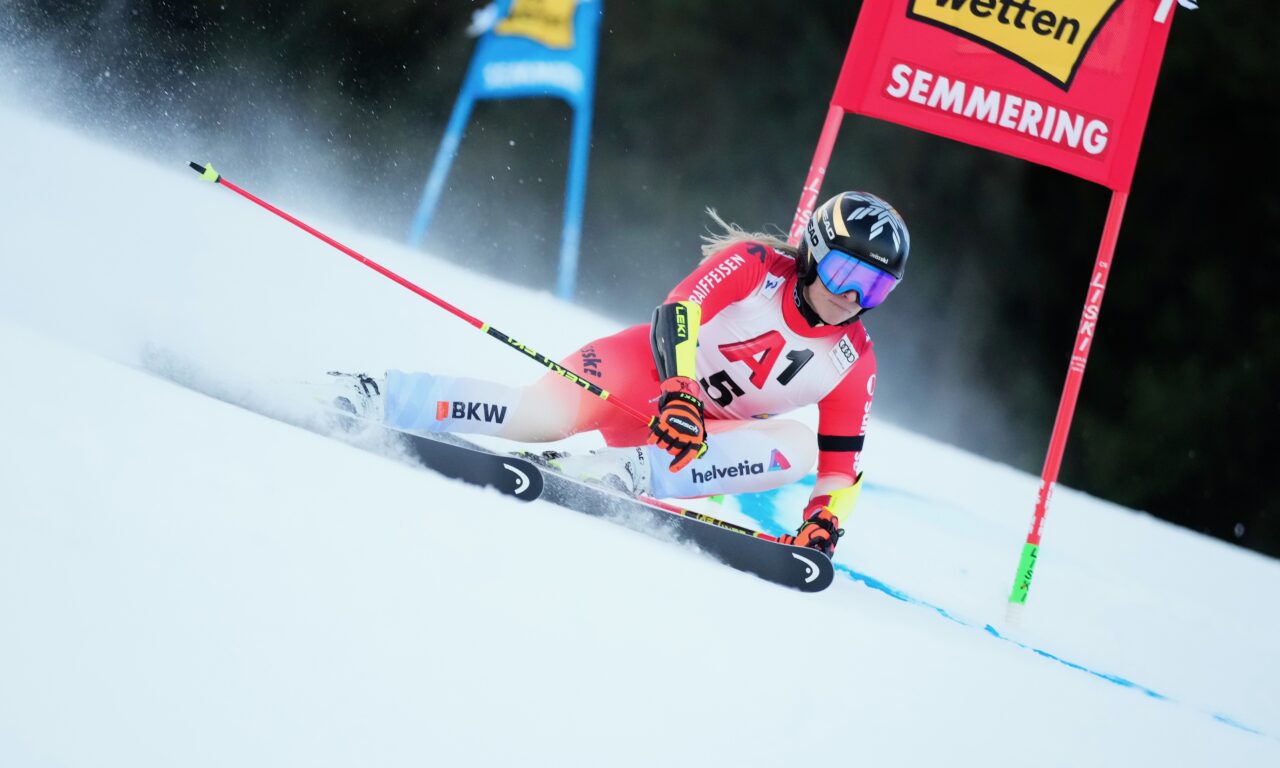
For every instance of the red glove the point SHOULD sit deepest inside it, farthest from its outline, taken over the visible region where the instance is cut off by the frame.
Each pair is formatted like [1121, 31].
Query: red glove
[820, 529]
[680, 428]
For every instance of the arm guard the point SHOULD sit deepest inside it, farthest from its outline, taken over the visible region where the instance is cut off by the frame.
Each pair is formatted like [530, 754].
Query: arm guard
[673, 336]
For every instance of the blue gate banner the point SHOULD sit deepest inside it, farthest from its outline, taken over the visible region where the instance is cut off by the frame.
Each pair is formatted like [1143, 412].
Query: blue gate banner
[528, 48]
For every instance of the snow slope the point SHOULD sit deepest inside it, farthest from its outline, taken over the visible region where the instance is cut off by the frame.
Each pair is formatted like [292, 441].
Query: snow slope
[186, 582]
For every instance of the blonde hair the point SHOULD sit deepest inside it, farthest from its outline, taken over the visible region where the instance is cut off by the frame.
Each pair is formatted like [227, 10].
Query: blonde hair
[732, 234]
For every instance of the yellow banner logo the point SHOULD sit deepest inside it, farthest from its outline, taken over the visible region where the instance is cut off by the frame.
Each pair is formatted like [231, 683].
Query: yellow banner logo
[1050, 37]
[549, 22]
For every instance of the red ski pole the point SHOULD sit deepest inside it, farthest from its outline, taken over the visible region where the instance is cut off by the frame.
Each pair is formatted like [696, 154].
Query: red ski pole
[209, 174]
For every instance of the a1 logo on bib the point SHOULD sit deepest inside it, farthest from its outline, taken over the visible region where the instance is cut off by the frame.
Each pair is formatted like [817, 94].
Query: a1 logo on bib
[843, 355]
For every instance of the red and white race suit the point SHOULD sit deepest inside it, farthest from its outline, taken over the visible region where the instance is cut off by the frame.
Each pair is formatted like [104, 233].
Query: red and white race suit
[757, 358]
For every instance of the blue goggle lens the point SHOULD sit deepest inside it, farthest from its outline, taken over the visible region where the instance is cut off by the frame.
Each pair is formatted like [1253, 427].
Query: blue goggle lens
[842, 273]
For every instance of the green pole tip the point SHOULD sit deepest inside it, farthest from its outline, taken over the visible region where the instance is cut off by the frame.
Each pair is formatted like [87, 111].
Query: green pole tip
[718, 499]
[1026, 570]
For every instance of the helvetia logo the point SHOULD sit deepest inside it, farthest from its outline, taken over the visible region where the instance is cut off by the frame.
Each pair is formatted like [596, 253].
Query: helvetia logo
[466, 411]
[777, 461]
[1049, 37]
[741, 469]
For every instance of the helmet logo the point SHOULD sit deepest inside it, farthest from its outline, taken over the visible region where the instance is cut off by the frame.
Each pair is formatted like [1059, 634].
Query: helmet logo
[886, 218]
[826, 224]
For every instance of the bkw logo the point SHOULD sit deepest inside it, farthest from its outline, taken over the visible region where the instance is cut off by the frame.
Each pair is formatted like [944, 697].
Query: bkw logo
[466, 411]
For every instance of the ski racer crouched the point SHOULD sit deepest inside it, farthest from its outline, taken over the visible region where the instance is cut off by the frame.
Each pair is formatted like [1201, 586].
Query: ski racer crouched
[757, 330]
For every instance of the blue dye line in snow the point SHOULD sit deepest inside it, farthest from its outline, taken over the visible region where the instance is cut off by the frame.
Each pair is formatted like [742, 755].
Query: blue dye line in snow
[1234, 724]
[761, 509]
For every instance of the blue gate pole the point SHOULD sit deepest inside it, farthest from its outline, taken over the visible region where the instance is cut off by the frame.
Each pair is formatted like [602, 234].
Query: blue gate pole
[575, 195]
[444, 159]
[575, 188]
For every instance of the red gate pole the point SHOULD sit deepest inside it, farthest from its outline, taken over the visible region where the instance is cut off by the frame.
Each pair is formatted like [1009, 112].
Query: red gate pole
[817, 171]
[1070, 392]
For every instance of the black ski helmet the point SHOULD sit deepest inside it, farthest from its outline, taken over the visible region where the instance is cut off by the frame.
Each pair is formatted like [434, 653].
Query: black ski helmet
[859, 224]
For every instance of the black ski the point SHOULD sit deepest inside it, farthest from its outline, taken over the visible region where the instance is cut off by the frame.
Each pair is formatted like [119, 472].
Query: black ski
[797, 567]
[448, 455]
[471, 464]
[741, 548]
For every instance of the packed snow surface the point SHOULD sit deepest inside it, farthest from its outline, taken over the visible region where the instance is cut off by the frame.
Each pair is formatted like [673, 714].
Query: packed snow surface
[185, 581]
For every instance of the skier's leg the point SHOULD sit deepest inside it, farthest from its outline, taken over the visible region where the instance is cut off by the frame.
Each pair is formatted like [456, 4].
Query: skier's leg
[742, 457]
[551, 408]
[622, 365]
[424, 402]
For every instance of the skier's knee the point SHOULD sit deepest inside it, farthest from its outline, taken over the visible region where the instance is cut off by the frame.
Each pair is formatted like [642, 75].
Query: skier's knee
[794, 449]
[755, 457]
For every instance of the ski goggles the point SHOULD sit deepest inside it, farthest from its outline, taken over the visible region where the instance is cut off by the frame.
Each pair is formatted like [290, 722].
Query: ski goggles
[842, 273]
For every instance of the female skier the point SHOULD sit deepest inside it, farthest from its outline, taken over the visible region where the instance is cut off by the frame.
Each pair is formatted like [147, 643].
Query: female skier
[758, 329]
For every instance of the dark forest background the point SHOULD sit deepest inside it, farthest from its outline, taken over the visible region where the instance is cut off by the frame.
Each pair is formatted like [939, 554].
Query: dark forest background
[701, 103]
